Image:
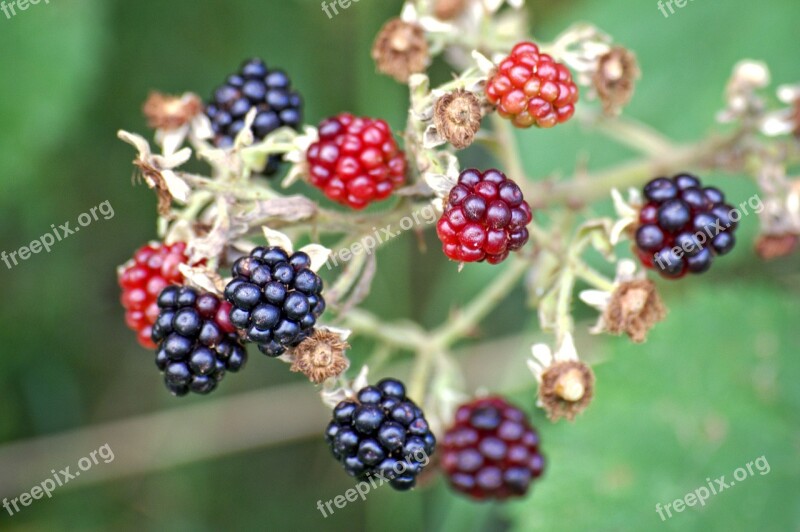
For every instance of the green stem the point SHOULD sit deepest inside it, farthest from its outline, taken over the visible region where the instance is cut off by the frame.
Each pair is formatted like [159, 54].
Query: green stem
[593, 277]
[480, 306]
[507, 149]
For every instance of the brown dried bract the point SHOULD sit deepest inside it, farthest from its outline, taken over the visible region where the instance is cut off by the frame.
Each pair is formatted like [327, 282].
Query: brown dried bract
[448, 9]
[164, 111]
[615, 78]
[634, 308]
[320, 356]
[566, 389]
[155, 180]
[770, 247]
[400, 50]
[457, 117]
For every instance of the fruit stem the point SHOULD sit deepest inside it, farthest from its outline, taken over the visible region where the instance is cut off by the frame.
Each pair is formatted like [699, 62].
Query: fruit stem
[480, 306]
[593, 277]
[506, 148]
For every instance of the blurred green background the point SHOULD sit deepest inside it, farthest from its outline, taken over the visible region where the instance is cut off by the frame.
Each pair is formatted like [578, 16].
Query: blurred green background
[715, 387]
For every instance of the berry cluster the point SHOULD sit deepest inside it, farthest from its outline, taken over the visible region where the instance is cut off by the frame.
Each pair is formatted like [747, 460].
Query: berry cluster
[356, 160]
[269, 91]
[276, 298]
[491, 451]
[196, 342]
[532, 89]
[683, 226]
[484, 218]
[152, 268]
[383, 433]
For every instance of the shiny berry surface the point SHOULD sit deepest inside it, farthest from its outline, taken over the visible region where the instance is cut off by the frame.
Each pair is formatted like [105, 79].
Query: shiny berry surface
[196, 344]
[381, 433]
[532, 89]
[484, 219]
[683, 226]
[356, 161]
[254, 86]
[491, 451]
[275, 298]
[152, 268]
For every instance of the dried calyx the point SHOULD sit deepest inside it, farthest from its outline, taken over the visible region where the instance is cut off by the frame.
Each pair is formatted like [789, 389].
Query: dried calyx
[457, 117]
[400, 49]
[566, 389]
[615, 78]
[167, 112]
[448, 9]
[320, 356]
[635, 306]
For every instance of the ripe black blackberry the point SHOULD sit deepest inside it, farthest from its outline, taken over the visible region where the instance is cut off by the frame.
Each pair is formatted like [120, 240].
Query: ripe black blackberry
[196, 343]
[491, 451]
[254, 85]
[276, 298]
[683, 226]
[381, 433]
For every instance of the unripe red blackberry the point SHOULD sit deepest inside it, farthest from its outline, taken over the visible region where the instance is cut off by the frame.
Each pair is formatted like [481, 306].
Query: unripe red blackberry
[356, 160]
[276, 298]
[683, 226]
[382, 433]
[532, 89]
[491, 451]
[152, 268]
[485, 218]
[197, 344]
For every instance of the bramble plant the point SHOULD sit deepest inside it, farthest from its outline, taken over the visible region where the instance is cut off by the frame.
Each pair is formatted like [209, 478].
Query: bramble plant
[230, 271]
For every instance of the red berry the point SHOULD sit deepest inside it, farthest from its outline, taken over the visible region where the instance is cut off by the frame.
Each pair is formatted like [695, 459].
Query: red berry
[491, 451]
[356, 161]
[484, 219]
[152, 268]
[531, 89]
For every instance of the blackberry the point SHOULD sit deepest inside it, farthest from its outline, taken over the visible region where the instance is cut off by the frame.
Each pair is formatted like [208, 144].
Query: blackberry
[152, 268]
[484, 218]
[267, 90]
[197, 344]
[381, 433]
[532, 89]
[491, 451]
[356, 160]
[276, 298]
[683, 226]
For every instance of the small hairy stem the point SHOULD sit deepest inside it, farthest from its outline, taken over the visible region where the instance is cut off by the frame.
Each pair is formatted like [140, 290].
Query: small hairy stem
[506, 148]
[631, 133]
[582, 189]
[593, 277]
[420, 374]
[480, 306]
[401, 335]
